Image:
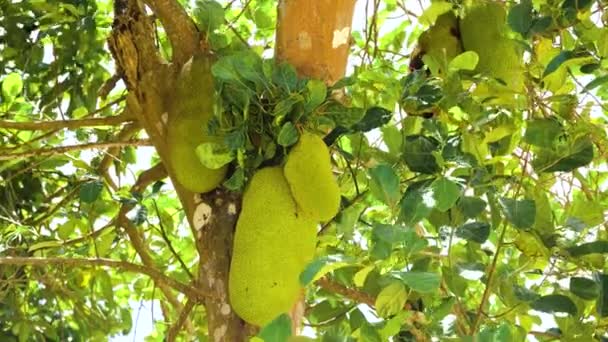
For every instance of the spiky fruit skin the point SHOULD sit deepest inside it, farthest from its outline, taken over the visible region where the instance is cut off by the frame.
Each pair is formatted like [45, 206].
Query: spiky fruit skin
[441, 42]
[272, 245]
[191, 110]
[308, 172]
[483, 30]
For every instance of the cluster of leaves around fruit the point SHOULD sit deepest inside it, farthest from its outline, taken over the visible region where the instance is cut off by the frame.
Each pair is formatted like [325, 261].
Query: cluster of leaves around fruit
[265, 106]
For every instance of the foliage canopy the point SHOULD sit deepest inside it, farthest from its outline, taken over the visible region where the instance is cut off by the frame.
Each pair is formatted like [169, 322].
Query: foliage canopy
[486, 221]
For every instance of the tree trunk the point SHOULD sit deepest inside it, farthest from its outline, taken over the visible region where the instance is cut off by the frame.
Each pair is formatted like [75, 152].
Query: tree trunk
[311, 35]
[314, 36]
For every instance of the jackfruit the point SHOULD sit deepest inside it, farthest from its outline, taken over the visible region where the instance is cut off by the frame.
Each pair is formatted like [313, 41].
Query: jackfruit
[483, 30]
[272, 245]
[312, 184]
[190, 112]
[441, 42]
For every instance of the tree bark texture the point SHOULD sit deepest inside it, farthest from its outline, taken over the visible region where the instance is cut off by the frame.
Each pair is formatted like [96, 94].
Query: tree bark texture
[150, 81]
[314, 36]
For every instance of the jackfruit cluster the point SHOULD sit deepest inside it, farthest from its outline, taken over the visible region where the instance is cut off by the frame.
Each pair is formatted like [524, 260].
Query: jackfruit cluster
[483, 30]
[190, 112]
[273, 243]
[308, 172]
[441, 42]
[275, 234]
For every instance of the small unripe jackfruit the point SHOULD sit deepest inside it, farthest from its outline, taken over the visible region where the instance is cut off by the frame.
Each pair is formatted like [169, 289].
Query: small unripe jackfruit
[483, 30]
[191, 110]
[441, 42]
[308, 172]
[272, 245]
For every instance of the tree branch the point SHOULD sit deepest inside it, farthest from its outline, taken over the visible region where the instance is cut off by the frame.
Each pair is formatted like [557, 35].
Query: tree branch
[365, 298]
[180, 29]
[183, 316]
[72, 148]
[157, 276]
[126, 133]
[65, 124]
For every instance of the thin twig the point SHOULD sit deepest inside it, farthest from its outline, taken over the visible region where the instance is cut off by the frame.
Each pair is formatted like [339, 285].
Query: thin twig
[156, 275]
[65, 124]
[177, 326]
[72, 148]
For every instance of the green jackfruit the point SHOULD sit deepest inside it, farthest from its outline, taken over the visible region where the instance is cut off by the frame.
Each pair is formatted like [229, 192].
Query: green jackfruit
[272, 245]
[483, 30]
[441, 42]
[308, 172]
[191, 111]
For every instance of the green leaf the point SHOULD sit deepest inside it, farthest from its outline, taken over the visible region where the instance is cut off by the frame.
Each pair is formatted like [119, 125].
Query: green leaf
[44, 245]
[213, 155]
[12, 85]
[555, 303]
[342, 115]
[385, 185]
[103, 244]
[90, 191]
[316, 94]
[278, 330]
[285, 106]
[391, 299]
[596, 83]
[465, 61]
[602, 299]
[524, 294]
[474, 231]
[262, 18]
[520, 17]
[577, 154]
[557, 61]
[584, 288]
[208, 14]
[471, 206]
[446, 193]
[423, 282]
[590, 212]
[416, 204]
[543, 132]
[285, 76]
[288, 135]
[374, 117]
[600, 247]
[323, 265]
[418, 154]
[520, 213]
[495, 334]
[66, 229]
[236, 181]
[368, 333]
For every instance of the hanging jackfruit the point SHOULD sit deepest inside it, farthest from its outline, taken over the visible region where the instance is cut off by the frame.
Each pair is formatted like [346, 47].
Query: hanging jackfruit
[272, 245]
[308, 172]
[190, 112]
[440, 43]
[483, 30]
